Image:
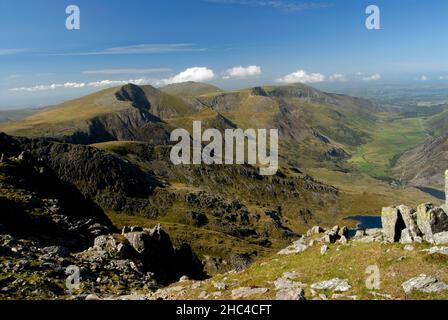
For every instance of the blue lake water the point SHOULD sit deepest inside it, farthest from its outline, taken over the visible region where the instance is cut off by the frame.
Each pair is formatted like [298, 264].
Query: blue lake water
[365, 222]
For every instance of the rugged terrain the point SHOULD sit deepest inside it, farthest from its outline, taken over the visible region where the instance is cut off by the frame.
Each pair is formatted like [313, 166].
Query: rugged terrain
[85, 169]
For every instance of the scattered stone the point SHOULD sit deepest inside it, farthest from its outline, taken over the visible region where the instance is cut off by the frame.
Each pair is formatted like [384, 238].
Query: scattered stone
[409, 247]
[382, 295]
[314, 230]
[335, 284]
[359, 233]
[343, 240]
[290, 294]
[374, 231]
[244, 292]
[439, 250]
[133, 297]
[296, 247]
[282, 283]
[290, 275]
[56, 251]
[343, 232]
[92, 297]
[324, 249]
[184, 278]
[220, 285]
[424, 283]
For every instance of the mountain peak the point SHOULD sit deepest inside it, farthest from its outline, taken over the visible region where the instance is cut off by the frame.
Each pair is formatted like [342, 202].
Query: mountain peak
[134, 94]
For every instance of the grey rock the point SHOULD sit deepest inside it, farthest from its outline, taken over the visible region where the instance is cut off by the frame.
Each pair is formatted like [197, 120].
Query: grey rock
[342, 240]
[290, 294]
[374, 232]
[406, 237]
[335, 284]
[244, 292]
[343, 232]
[439, 250]
[282, 283]
[441, 238]
[424, 283]
[359, 233]
[315, 230]
[409, 218]
[431, 220]
[220, 285]
[184, 278]
[56, 251]
[389, 219]
[296, 247]
[137, 240]
[324, 249]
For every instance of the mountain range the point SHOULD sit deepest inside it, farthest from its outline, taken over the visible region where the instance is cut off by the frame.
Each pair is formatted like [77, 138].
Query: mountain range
[337, 160]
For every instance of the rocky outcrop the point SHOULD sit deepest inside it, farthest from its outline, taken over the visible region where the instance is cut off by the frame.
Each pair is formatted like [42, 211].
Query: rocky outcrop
[428, 222]
[112, 266]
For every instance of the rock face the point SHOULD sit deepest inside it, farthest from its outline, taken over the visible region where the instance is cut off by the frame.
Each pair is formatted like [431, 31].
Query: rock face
[431, 220]
[157, 254]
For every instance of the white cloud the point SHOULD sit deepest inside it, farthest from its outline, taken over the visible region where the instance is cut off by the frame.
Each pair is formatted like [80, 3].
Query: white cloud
[67, 85]
[373, 77]
[126, 71]
[13, 51]
[139, 49]
[338, 77]
[197, 74]
[242, 72]
[424, 78]
[443, 78]
[78, 85]
[302, 77]
[275, 4]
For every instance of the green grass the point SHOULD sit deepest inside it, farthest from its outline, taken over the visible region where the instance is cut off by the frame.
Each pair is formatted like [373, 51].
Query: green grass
[349, 262]
[390, 138]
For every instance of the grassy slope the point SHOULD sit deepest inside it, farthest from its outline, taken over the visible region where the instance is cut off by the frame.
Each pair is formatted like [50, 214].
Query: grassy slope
[67, 117]
[395, 264]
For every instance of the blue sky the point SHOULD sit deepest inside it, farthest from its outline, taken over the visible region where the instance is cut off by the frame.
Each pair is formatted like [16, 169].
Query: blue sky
[229, 43]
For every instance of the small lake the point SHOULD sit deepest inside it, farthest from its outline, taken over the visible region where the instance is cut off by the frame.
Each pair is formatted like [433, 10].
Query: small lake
[433, 192]
[365, 222]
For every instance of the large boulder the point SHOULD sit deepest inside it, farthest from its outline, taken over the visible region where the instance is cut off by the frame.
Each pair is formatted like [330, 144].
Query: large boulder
[431, 220]
[399, 224]
[392, 223]
[441, 237]
[409, 218]
[158, 255]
